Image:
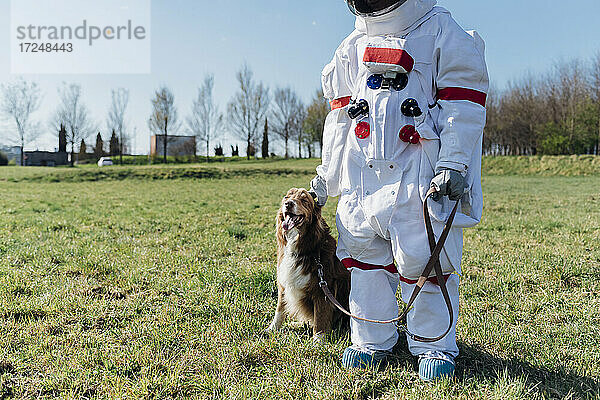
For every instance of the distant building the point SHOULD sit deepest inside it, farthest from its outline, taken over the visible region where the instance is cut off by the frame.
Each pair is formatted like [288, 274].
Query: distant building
[176, 145]
[45, 158]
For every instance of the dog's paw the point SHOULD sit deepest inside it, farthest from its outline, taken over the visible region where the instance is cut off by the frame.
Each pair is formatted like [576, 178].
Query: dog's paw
[276, 323]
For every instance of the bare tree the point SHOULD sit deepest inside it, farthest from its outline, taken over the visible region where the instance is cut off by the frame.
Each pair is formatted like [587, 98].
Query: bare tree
[205, 122]
[595, 86]
[313, 124]
[20, 99]
[164, 116]
[248, 108]
[521, 115]
[566, 92]
[287, 110]
[73, 114]
[116, 117]
[298, 127]
[491, 133]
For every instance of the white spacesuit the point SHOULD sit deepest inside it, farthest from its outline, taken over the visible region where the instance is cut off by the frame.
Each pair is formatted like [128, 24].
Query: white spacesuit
[407, 90]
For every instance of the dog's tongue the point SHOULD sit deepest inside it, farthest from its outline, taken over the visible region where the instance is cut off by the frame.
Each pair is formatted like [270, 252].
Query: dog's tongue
[288, 223]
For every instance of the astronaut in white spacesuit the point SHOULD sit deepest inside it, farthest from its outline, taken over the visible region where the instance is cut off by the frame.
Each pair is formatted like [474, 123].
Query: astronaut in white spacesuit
[407, 89]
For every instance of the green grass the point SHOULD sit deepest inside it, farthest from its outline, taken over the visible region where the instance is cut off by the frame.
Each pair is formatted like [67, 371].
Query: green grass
[586, 165]
[161, 288]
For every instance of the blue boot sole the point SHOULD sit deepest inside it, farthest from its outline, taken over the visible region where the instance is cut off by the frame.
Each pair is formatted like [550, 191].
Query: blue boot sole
[355, 359]
[432, 369]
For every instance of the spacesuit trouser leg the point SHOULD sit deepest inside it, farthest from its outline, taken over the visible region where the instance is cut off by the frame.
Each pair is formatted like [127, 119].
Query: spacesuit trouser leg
[429, 316]
[373, 296]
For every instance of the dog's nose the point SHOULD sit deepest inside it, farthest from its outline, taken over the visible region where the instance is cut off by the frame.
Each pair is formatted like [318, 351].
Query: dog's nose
[289, 204]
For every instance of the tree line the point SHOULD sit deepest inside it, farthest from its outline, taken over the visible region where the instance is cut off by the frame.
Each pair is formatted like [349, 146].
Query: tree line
[256, 114]
[555, 113]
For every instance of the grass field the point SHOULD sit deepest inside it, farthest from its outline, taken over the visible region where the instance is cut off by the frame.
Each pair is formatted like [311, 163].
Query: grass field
[161, 286]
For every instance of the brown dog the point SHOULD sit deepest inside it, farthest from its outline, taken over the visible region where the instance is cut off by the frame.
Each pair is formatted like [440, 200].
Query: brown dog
[304, 240]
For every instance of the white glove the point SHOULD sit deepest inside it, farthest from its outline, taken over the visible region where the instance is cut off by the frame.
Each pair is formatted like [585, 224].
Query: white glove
[318, 188]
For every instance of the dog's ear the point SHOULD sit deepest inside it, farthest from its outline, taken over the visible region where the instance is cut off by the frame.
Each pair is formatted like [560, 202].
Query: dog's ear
[281, 242]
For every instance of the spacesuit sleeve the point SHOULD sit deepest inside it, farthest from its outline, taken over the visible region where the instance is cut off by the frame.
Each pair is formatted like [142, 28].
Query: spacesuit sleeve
[462, 85]
[336, 89]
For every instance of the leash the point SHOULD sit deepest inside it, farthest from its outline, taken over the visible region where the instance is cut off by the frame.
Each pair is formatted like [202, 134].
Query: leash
[432, 264]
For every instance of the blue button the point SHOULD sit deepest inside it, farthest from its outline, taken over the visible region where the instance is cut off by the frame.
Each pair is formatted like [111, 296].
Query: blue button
[374, 81]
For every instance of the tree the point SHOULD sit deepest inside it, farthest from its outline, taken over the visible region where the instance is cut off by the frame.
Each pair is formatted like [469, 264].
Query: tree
[20, 100]
[248, 108]
[595, 86]
[265, 141]
[82, 150]
[251, 151]
[570, 92]
[164, 116]
[62, 139]
[116, 117]
[287, 115]
[73, 114]
[520, 117]
[205, 122]
[316, 113]
[113, 146]
[493, 121]
[297, 130]
[99, 148]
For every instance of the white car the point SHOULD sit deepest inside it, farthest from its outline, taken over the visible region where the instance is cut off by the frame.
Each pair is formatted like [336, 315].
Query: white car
[104, 161]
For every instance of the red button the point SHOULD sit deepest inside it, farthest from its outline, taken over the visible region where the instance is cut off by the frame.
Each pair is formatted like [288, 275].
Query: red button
[407, 132]
[362, 130]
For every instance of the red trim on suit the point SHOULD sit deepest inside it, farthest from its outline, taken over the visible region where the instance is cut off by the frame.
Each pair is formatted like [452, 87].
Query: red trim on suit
[389, 56]
[457, 93]
[352, 263]
[339, 103]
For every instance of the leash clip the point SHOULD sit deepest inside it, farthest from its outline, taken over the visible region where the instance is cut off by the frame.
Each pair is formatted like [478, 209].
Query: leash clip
[323, 283]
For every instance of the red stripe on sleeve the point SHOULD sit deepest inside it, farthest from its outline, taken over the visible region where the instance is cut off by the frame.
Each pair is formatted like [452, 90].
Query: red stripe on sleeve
[339, 103]
[389, 56]
[457, 93]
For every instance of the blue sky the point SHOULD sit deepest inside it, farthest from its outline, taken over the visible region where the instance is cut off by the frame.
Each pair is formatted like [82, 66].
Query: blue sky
[288, 43]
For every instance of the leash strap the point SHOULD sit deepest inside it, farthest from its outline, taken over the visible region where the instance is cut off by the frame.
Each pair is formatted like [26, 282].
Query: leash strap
[432, 264]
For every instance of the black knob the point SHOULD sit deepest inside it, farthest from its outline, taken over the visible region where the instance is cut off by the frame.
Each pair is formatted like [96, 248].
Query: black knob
[410, 108]
[400, 82]
[358, 109]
